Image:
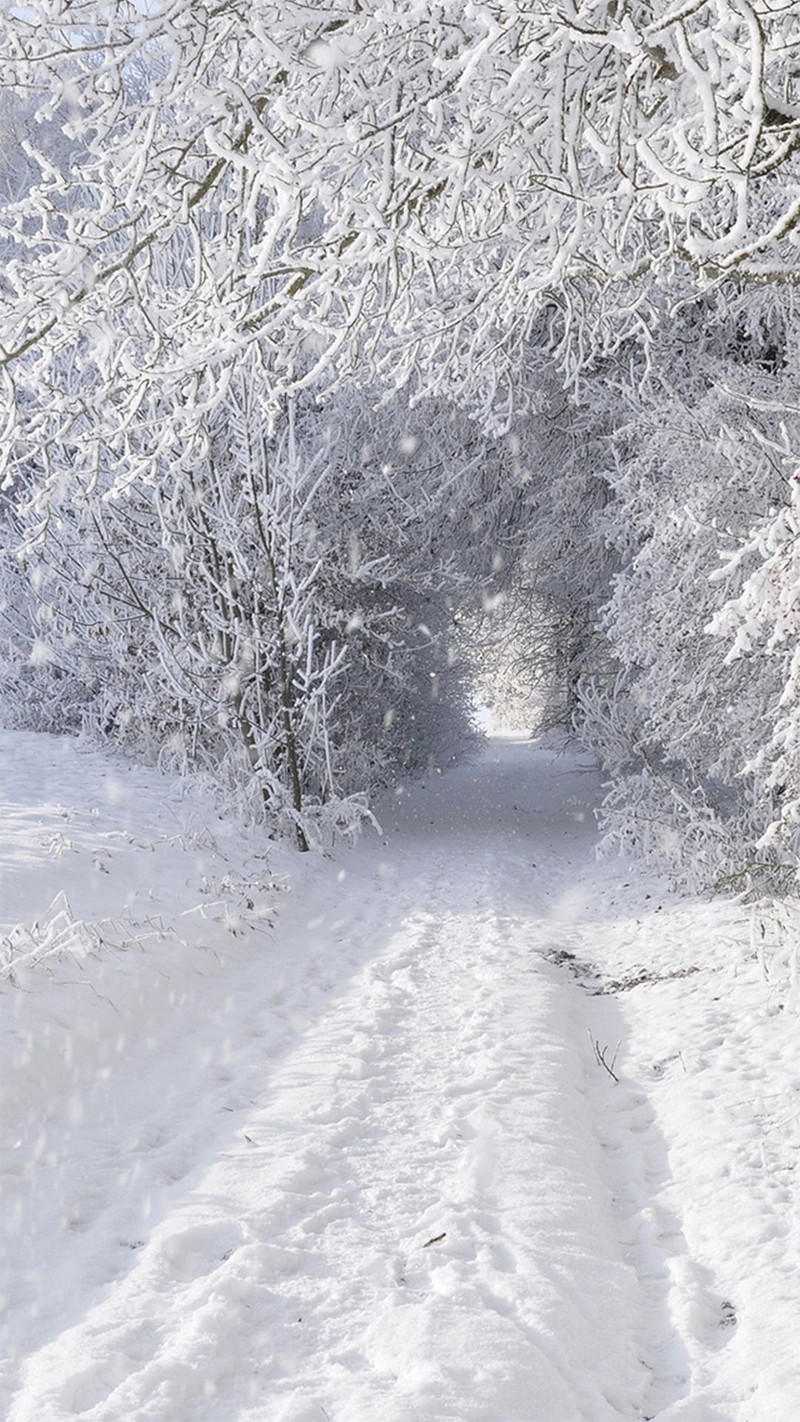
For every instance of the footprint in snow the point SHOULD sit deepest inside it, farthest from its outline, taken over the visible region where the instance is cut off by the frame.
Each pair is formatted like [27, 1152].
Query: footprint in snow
[197, 1250]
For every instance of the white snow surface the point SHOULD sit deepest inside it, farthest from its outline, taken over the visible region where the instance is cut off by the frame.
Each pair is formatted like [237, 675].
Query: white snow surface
[458, 1124]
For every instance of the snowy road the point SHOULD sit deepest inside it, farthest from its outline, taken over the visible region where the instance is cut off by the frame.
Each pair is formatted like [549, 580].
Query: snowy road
[394, 1159]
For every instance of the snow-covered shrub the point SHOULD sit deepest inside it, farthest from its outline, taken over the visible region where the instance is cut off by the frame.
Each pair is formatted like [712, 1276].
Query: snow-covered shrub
[775, 941]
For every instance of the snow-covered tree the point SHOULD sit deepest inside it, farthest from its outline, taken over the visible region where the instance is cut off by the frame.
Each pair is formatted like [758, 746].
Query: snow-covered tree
[686, 725]
[188, 610]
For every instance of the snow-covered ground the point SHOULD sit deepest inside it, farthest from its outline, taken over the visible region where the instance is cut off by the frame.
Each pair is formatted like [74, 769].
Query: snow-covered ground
[457, 1124]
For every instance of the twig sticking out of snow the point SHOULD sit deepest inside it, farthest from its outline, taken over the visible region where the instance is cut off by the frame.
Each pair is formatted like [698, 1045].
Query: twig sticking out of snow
[601, 1055]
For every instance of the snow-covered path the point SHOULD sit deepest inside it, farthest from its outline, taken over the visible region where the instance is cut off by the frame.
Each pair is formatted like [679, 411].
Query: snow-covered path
[396, 1157]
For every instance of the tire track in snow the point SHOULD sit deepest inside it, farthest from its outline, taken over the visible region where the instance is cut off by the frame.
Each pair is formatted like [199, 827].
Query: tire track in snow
[687, 1313]
[636, 1166]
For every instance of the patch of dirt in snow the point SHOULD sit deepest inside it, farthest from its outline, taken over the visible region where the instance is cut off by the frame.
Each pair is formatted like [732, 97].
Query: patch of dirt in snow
[463, 1127]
